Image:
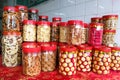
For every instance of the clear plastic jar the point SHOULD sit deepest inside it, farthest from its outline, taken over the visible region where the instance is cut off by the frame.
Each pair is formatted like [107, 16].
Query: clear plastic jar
[31, 60]
[95, 34]
[110, 22]
[10, 19]
[33, 14]
[48, 58]
[54, 31]
[23, 14]
[74, 32]
[56, 19]
[96, 19]
[108, 37]
[43, 18]
[115, 58]
[63, 32]
[84, 58]
[11, 48]
[29, 30]
[102, 61]
[84, 33]
[68, 60]
[43, 31]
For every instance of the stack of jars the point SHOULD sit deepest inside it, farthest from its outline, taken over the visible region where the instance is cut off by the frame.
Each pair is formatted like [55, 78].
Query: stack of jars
[110, 24]
[11, 40]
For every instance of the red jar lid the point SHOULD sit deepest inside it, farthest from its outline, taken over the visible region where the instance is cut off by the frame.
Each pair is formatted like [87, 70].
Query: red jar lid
[56, 19]
[43, 17]
[63, 24]
[49, 48]
[94, 18]
[105, 49]
[11, 33]
[53, 43]
[110, 31]
[21, 7]
[93, 24]
[32, 10]
[73, 22]
[98, 47]
[29, 45]
[62, 44]
[85, 47]
[108, 16]
[68, 48]
[116, 48]
[10, 8]
[85, 25]
[43, 23]
[54, 24]
[36, 49]
[29, 22]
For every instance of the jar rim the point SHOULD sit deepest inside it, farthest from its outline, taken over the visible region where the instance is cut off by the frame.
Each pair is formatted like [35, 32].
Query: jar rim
[10, 8]
[11, 33]
[21, 7]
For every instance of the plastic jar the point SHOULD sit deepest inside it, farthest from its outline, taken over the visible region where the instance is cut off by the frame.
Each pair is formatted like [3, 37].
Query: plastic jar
[84, 33]
[95, 34]
[96, 19]
[43, 18]
[29, 30]
[54, 31]
[84, 58]
[110, 22]
[31, 60]
[102, 61]
[33, 14]
[108, 37]
[43, 31]
[10, 19]
[23, 14]
[68, 60]
[56, 19]
[11, 42]
[74, 32]
[48, 58]
[115, 57]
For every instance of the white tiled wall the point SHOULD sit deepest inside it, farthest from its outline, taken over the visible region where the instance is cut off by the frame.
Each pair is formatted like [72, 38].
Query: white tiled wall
[81, 9]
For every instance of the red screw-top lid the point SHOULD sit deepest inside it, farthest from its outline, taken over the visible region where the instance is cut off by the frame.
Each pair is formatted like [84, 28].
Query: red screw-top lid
[68, 48]
[21, 7]
[93, 24]
[73, 22]
[94, 18]
[53, 43]
[33, 10]
[63, 24]
[48, 48]
[10, 8]
[33, 50]
[62, 44]
[29, 45]
[43, 23]
[54, 24]
[98, 47]
[11, 33]
[43, 17]
[85, 25]
[105, 49]
[56, 19]
[85, 47]
[110, 31]
[29, 22]
[108, 16]
[116, 48]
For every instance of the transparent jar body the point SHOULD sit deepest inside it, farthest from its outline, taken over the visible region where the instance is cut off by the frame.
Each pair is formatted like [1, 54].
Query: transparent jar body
[29, 32]
[10, 21]
[84, 35]
[67, 62]
[43, 33]
[11, 50]
[101, 62]
[31, 63]
[48, 60]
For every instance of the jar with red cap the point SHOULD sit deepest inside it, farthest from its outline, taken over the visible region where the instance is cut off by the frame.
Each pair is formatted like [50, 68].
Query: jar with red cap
[110, 22]
[63, 32]
[23, 14]
[10, 19]
[48, 58]
[33, 14]
[96, 19]
[95, 34]
[115, 58]
[11, 48]
[54, 31]
[31, 60]
[43, 31]
[74, 32]
[29, 30]
[68, 60]
[84, 33]
[56, 19]
[43, 18]
[102, 61]
[108, 37]
[84, 58]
